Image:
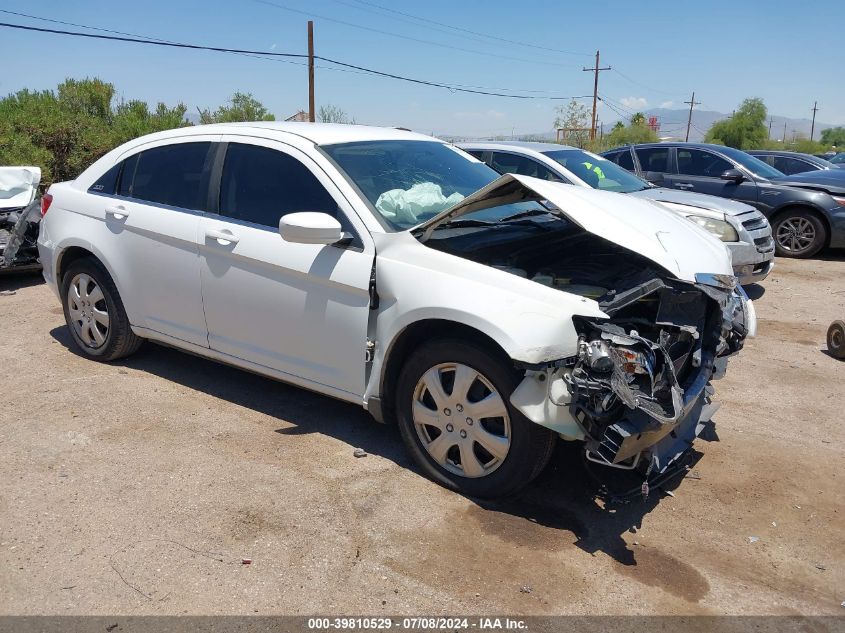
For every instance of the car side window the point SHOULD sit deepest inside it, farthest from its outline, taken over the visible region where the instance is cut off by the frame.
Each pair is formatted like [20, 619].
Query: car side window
[107, 183]
[625, 160]
[695, 162]
[654, 159]
[791, 166]
[478, 153]
[174, 175]
[260, 185]
[505, 163]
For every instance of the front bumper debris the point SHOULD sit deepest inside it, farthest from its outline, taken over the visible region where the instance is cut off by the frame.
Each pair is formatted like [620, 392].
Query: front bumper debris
[638, 392]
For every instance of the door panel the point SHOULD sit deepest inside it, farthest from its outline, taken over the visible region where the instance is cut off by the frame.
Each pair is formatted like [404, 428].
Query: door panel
[700, 171]
[301, 309]
[156, 236]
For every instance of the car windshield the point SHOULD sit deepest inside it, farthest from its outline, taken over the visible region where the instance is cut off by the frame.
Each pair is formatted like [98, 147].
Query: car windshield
[597, 172]
[409, 182]
[751, 163]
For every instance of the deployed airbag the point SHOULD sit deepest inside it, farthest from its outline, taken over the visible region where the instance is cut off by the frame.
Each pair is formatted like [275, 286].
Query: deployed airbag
[407, 206]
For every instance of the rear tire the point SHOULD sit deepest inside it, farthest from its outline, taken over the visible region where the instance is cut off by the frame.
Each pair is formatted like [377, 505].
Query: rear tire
[452, 405]
[94, 313]
[798, 233]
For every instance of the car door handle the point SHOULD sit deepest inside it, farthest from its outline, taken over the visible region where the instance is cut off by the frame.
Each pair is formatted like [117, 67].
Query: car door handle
[223, 237]
[684, 185]
[118, 213]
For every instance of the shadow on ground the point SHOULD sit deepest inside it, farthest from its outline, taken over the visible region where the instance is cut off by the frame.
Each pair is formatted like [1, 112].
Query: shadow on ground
[562, 498]
[14, 280]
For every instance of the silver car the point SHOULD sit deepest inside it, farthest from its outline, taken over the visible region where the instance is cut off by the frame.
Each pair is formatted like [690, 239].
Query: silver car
[743, 229]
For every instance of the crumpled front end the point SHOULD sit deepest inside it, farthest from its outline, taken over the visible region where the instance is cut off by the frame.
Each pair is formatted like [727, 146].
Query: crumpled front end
[638, 390]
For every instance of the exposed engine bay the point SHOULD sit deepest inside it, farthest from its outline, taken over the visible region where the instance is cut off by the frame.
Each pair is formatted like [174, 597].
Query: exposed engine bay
[638, 389]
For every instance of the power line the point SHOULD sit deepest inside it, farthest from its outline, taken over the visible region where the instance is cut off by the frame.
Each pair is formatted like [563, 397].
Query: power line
[407, 37]
[460, 29]
[642, 85]
[342, 65]
[104, 30]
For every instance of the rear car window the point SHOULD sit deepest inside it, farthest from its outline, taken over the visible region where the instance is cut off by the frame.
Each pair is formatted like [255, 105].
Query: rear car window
[506, 163]
[654, 159]
[174, 175]
[107, 183]
[625, 160]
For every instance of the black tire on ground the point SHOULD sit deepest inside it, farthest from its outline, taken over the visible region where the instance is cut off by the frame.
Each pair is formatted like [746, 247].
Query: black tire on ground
[786, 222]
[836, 339]
[531, 445]
[119, 341]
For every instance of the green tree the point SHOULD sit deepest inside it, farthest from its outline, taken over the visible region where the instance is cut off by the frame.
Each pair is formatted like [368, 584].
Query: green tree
[333, 114]
[744, 129]
[636, 132]
[574, 118]
[638, 119]
[65, 130]
[241, 107]
[834, 136]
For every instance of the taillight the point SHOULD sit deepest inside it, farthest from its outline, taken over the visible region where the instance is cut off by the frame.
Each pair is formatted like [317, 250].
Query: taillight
[46, 201]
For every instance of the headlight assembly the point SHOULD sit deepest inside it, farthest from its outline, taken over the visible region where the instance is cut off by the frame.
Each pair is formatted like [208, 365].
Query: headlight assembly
[721, 229]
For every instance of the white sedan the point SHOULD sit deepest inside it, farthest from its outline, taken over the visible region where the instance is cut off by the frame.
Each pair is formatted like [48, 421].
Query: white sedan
[488, 316]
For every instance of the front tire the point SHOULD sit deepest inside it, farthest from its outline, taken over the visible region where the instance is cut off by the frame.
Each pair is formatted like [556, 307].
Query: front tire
[798, 233]
[94, 313]
[455, 417]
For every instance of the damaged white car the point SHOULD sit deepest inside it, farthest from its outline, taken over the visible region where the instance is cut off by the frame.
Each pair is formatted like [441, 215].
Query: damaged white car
[20, 214]
[488, 316]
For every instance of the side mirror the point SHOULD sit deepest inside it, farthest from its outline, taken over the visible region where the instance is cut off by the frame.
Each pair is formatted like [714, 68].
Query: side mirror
[733, 175]
[310, 227]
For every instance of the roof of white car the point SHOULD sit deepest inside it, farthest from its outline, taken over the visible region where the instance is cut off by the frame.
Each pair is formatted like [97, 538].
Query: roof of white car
[537, 147]
[317, 133]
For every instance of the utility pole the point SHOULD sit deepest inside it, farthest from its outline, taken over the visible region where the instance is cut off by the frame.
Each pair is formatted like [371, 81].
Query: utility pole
[770, 130]
[595, 70]
[784, 133]
[311, 114]
[601, 131]
[813, 124]
[692, 102]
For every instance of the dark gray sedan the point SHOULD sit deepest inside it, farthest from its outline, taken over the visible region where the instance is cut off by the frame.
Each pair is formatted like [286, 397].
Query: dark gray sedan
[804, 219]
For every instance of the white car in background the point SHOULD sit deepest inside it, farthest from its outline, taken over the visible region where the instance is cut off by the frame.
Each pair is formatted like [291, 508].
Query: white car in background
[743, 229]
[488, 316]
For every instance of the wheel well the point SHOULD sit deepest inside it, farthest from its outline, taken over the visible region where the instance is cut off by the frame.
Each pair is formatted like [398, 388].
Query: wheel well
[821, 216]
[68, 256]
[418, 333]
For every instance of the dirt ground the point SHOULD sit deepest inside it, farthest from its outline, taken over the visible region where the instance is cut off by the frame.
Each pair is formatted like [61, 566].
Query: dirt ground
[139, 487]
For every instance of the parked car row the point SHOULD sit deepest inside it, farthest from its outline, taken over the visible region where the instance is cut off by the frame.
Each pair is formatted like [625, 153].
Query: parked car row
[790, 163]
[806, 215]
[743, 229]
[487, 315]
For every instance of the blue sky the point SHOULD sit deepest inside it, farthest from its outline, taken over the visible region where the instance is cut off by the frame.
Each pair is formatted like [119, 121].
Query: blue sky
[660, 52]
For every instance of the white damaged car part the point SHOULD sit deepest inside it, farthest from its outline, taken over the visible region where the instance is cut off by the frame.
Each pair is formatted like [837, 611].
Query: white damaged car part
[20, 214]
[636, 389]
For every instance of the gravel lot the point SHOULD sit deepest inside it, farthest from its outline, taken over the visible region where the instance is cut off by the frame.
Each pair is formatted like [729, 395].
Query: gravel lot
[139, 487]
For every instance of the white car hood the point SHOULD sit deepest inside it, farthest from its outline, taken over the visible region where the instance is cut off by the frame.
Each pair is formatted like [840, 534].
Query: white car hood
[699, 200]
[641, 226]
[18, 186]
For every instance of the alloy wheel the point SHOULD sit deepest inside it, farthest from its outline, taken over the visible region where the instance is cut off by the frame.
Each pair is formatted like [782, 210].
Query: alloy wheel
[88, 310]
[461, 420]
[796, 235]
